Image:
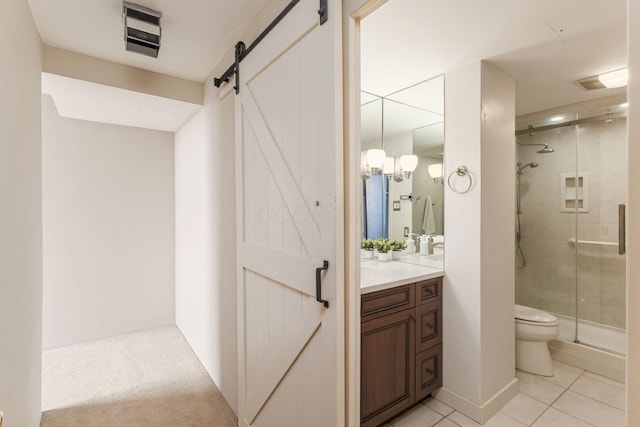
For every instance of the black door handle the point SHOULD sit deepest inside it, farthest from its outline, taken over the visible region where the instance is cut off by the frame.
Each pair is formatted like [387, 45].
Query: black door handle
[325, 266]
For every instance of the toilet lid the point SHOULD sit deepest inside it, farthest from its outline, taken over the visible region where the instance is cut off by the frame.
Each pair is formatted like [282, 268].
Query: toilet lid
[531, 314]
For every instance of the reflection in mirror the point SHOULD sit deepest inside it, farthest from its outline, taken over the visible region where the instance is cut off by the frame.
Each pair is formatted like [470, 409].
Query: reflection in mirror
[374, 189]
[407, 122]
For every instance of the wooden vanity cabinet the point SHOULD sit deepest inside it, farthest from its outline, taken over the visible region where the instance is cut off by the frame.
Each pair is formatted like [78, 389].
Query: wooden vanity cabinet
[401, 351]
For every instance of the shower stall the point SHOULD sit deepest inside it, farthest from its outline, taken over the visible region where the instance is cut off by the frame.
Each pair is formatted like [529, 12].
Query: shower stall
[570, 238]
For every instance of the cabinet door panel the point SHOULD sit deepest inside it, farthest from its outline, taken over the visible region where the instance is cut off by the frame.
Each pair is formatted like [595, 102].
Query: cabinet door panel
[429, 318]
[428, 371]
[387, 367]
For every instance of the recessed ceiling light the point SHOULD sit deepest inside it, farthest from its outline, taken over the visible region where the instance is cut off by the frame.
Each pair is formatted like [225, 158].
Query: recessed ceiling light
[591, 83]
[556, 118]
[613, 79]
[617, 78]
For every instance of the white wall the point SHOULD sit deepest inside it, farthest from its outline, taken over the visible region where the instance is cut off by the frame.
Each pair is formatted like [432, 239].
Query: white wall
[108, 238]
[206, 239]
[462, 291]
[87, 68]
[205, 225]
[497, 248]
[20, 217]
[479, 344]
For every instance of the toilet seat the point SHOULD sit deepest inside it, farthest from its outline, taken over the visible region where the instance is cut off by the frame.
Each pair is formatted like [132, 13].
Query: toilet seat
[530, 315]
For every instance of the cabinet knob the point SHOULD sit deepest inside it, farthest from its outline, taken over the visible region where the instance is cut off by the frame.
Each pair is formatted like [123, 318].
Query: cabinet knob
[430, 325]
[430, 371]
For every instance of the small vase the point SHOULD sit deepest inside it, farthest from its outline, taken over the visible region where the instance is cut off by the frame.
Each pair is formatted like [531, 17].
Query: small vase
[367, 253]
[396, 254]
[384, 256]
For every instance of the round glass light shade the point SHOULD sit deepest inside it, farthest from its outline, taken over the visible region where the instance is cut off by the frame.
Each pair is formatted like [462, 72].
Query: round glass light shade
[388, 166]
[375, 158]
[435, 170]
[408, 162]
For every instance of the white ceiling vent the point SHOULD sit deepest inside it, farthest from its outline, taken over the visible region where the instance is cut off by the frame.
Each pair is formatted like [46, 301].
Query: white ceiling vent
[141, 29]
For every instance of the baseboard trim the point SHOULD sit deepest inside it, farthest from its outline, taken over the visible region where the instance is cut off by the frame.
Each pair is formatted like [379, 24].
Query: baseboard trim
[590, 359]
[479, 413]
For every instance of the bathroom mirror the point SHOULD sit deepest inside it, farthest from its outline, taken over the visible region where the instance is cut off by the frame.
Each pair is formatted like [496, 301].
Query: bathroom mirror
[409, 121]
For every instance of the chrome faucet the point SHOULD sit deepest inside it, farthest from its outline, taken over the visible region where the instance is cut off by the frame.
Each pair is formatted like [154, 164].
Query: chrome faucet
[416, 239]
[432, 245]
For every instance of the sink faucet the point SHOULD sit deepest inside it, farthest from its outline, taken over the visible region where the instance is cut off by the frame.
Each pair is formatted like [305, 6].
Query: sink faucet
[432, 245]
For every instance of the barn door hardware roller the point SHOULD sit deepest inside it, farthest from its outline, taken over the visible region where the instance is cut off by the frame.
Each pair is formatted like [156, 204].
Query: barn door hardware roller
[242, 51]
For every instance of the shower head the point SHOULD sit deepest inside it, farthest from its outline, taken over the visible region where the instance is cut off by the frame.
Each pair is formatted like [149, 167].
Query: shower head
[528, 165]
[545, 150]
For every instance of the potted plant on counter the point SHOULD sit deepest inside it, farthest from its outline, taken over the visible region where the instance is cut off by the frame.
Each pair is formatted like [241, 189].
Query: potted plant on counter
[367, 247]
[397, 247]
[384, 249]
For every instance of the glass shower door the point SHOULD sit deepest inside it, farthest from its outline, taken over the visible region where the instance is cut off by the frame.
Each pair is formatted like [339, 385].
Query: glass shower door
[546, 264]
[569, 195]
[600, 187]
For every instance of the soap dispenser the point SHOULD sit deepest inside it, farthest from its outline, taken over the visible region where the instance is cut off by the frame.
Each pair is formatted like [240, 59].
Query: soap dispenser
[411, 245]
[424, 245]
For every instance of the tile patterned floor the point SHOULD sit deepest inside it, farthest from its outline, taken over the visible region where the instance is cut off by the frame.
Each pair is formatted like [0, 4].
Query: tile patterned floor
[571, 398]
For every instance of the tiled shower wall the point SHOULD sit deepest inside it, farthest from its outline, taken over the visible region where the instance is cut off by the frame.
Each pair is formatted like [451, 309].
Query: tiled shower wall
[548, 280]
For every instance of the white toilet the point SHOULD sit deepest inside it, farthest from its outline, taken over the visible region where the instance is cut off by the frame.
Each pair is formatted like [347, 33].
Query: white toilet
[534, 328]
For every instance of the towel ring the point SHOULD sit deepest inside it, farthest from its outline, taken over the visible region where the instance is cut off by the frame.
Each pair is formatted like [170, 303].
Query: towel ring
[460, 171]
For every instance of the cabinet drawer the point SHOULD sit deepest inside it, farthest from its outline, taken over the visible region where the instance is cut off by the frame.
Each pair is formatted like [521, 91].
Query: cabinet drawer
[428, 371]
[429, 324]
[389, 301]
[430, 290]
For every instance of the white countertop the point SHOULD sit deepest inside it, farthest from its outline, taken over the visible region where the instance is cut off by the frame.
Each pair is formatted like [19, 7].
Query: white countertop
[378, 275]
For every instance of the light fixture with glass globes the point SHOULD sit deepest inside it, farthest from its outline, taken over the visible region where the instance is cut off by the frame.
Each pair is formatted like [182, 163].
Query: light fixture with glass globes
[388, 167]
[408, 164]
[375, 160]
[435, 172]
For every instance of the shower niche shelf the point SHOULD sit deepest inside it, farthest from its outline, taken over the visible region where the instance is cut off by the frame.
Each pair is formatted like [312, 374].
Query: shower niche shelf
[574, 192]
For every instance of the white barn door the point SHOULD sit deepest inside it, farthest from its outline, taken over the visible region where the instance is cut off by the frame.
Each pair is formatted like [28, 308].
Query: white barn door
[290, 220]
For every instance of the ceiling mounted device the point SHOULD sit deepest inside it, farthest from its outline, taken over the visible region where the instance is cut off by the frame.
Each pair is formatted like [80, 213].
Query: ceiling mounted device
[611, 79]
[141, 29]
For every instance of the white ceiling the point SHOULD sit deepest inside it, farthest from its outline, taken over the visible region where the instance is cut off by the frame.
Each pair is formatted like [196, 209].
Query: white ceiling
[195, 33]
[78, 99]
[195, 36]
[545, 45]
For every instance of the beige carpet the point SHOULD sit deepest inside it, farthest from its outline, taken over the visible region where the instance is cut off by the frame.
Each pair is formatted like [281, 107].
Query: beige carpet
[150, 378]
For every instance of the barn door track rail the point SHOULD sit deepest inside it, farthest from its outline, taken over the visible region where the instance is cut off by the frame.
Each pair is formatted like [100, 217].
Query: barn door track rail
[242, 50]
